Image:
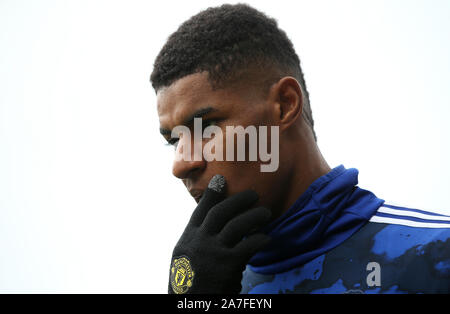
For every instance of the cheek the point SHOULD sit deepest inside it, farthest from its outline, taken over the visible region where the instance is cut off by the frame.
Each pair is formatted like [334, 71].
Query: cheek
[240, 175]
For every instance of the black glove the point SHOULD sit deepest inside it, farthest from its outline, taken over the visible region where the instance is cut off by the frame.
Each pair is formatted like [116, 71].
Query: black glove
[218, 242]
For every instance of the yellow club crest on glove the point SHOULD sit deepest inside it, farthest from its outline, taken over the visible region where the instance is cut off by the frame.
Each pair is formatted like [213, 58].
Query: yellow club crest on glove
[181, 275]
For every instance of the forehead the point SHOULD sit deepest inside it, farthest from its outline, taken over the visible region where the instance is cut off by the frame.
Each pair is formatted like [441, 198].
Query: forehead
[192, 93]
[182, 96]
[242, 100]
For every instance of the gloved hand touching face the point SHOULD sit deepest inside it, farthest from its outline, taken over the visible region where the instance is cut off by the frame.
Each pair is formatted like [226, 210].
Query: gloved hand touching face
[218, 242]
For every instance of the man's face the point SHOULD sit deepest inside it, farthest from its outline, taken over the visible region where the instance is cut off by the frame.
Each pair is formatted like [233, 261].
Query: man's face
[192, 96]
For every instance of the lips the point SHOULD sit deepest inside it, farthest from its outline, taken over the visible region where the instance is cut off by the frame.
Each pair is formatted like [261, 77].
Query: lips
[196, 194]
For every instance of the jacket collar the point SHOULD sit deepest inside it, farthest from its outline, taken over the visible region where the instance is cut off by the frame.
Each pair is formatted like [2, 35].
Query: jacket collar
[331, 210]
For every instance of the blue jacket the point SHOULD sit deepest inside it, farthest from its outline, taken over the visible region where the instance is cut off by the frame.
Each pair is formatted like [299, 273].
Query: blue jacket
[339, 238]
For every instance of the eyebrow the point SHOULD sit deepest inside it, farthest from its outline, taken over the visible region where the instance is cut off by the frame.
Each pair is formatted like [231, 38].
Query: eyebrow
[189, 121]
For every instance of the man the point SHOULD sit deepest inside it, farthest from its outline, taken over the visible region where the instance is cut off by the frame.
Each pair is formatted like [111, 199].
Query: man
[301, 227]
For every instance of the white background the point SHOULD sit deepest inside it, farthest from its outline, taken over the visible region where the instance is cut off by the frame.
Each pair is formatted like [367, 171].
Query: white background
[87, 200]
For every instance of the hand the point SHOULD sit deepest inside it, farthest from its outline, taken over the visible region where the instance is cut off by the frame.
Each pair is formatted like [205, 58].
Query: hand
[218, 242]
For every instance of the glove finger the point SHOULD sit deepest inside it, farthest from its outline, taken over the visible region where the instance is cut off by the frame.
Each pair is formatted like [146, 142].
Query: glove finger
[224, 211]
[244, 224]
[252, 244]
[213, 194]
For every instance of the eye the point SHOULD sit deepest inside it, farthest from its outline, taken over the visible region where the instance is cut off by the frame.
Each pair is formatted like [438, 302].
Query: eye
[211, 122]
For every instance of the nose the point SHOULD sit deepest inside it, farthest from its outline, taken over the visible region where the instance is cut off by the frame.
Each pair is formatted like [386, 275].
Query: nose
[185, 164]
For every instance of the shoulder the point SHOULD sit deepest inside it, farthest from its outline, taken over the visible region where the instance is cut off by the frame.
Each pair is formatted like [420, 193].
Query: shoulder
[407, 229]
[411, 217]
[414, 246]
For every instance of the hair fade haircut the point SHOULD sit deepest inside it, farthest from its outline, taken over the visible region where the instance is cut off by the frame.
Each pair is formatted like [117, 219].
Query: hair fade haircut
[228, 41]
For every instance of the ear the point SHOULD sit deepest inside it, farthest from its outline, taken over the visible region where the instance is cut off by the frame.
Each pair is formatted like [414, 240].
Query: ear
[288, 97]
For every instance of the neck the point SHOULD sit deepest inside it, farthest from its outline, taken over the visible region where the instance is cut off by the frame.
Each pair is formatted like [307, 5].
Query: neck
[307, 166]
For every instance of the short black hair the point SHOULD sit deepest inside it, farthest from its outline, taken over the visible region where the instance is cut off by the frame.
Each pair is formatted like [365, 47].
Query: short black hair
[225, 41]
